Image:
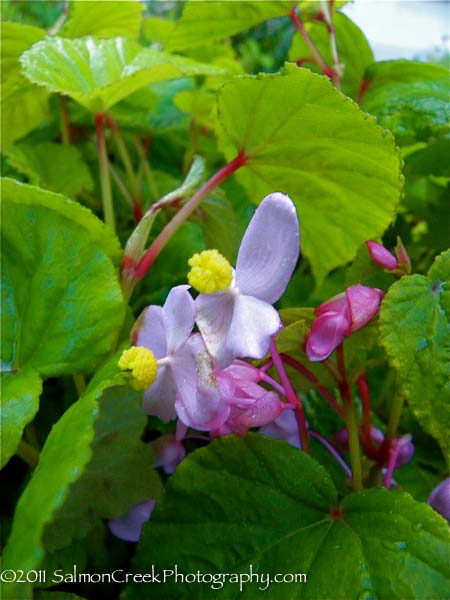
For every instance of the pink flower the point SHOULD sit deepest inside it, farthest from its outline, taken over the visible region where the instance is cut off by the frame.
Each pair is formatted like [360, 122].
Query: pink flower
[129, 526]
[240, 321]
[165, 331]
[339, 317]
[168, 452]
[251, 405]
[382, 256]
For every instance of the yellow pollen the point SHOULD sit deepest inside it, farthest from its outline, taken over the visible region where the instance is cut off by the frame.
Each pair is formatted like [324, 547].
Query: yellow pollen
[142, 364]
[210, 272]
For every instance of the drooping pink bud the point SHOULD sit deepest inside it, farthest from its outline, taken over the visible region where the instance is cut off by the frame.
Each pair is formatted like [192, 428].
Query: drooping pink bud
[341, 438]
[439, 498]
[405, 450]
[364, 303]
[339, 317]
[382, 256]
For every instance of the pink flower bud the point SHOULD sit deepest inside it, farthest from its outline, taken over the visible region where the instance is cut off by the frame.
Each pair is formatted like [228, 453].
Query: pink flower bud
[168, 452]
[405, 451]
[382, 256]
[364, 303]
[439, 498]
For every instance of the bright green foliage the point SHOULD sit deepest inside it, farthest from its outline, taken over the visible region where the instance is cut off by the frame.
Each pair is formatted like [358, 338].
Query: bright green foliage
[201, 24]
[52, 166]
[16, 38]
[355, 54]
[250, 506]
[24, 106]
[19, 403]
[75, 447]
[62, 304]
[304, 138]
[100, 73]
[409, 98]
[415, 331]
[103, 19]
[219, 224]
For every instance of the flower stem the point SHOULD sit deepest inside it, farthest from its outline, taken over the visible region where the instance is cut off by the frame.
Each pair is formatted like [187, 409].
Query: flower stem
[313, 379]
[64, 121]
[301, 29]
[103, 164]
[291, 397]
[181, 216]
[332, 450]
[361, 382]
[352, 425]
[328, 18]
[27, 453]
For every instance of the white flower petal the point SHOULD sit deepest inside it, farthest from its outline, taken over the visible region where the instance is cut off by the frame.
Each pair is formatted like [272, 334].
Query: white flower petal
[159, 399]
[149, 331]
[252, 325]
[269, 249]
[214, 314]
[178, 314]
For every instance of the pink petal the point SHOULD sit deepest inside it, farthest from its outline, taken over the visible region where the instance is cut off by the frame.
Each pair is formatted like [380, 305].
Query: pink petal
[364, 303]
[129, 526]
[261, 411]
[213, 316]
[382, 256]
[327, 332]
[254, 322]
[269, 249]
[150, 332]
[439, 498]
[283, 428]
[178, 314]
[337, 304]
[168, 452]
[240, 369]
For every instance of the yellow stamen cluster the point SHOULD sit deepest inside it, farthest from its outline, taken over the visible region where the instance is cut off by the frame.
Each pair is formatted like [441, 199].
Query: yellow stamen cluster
[210, 272]
[142, 364]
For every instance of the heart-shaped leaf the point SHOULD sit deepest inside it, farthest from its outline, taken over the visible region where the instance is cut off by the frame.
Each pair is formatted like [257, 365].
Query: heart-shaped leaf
[103, 19]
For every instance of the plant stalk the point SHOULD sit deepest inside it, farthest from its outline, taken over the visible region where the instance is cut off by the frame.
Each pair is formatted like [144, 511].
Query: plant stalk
[103, 165]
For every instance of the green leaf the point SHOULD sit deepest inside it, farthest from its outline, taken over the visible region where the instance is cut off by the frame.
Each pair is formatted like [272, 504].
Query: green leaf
[203, 22]
[100, 73]
[103, 19]
[14, 191]
[16, 38]
[24, 110]
[105, 417]
[304, 138]
[56, 167]
[415, 331]
[431, 160]
[355, 54]
[409, 98]
[219, 224]
[19, 401]
[63, 307]
[261, 502]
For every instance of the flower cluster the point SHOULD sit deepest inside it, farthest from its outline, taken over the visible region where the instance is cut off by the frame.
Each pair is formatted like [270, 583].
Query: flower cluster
[198, 377]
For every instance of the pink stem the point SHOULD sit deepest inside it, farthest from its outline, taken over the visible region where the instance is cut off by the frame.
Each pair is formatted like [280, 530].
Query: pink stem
[313, 379]
[271, 381]
[394, 450]
[361, 382]
[332, 450]
[181, 216]
[291, 396]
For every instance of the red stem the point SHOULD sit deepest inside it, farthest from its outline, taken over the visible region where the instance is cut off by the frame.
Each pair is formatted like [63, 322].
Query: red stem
[291, 397]
[361, 382]
[313, 379]
[301, 29]
[149, 257]
[362, 90]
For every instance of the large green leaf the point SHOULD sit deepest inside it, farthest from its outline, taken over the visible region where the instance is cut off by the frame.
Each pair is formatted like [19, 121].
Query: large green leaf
[410, 98]
[204, 22]
[107, 420]
[62, 303]
[56, 167]
[304, 138]
[355, 54]
[260, 502]
[99, 73]
[415, 331]
[25, 108]
[19, 403]
[103, 19]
